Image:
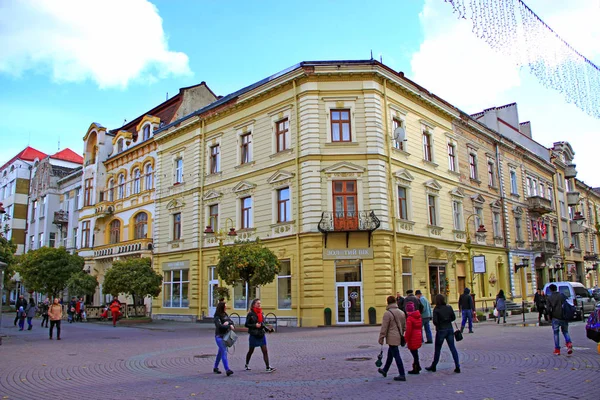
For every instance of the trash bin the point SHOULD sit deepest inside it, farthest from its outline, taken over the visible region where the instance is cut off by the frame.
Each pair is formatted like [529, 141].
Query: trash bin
[328, 316]
[372, 316]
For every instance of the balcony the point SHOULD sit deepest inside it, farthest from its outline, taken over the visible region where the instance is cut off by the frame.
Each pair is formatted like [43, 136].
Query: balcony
[137, 246]
[61, 218]
[590, 256]
[549, 249]
[539, 205]
[348, 221]
[570, 171]
[572, 198]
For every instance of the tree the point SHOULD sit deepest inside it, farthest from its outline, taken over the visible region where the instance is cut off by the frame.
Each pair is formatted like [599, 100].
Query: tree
[248, 262]
[48, 269]
[7, 251]
[134, 277]
[82, 284]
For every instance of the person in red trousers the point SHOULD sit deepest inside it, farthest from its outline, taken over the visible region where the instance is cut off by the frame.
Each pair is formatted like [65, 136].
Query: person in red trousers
[115, 309]
[413, 335]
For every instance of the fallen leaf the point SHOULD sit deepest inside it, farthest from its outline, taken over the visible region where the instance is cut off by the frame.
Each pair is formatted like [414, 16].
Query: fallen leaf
[177, 387]
[556, 369]
[323, 358]
[459, 391]
[573, 369]
[192, 394]
[23, 380]
[494, 368]
[587, 381]
[43, 365]
[67, 379]
[526, 358]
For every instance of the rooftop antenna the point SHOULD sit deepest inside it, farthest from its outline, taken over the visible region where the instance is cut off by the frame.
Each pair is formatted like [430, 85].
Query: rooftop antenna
[59, 143]
[124, 121]
[167, 96]
[371, 54]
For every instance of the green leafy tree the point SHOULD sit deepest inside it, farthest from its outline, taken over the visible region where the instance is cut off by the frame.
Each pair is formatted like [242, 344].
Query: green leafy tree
[48, 269]
[82, 284]
[247, 262]
[134, 277]
[7, 255]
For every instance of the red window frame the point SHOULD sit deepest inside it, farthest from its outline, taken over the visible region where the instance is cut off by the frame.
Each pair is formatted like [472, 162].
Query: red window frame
[245, 141]
[85, 230]
[472, 166]
[431, 207]
[87, 199]
[340, 123]
[402, 203]
[281, 130]
[213, 216]
[345, 219]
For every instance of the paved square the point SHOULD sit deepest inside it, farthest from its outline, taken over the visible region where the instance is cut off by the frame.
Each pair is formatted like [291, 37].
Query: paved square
[167, 360]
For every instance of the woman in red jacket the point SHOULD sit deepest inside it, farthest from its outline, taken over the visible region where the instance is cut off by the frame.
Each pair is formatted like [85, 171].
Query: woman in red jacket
[413, 335]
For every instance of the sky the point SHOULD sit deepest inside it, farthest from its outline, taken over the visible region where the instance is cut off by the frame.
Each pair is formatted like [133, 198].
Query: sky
[67, 63]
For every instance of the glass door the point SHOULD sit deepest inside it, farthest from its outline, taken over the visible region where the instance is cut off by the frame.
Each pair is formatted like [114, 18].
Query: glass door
[349, 309]
[213, 282]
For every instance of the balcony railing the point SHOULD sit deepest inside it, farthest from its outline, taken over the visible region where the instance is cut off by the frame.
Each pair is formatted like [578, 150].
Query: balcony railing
[123, 248]
[590, 256]
[61, 217]
[348, 221]
[546, 247]
[539, 204]
[570, 171]
[572, 198]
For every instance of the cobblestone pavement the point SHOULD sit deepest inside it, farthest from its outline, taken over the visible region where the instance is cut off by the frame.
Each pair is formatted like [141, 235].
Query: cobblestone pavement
[168, 360]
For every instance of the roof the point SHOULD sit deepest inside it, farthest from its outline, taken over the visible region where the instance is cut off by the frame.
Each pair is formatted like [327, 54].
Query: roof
[68, 155]
[27, 154]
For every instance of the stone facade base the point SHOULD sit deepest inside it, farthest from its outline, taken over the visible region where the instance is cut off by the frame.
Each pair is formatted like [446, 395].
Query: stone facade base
[174, 317]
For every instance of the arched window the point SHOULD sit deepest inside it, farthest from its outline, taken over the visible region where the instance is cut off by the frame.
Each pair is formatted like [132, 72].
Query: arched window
[148, 177]
[147, 132]
[136, 181]
[120, 146]
[115, 231]
[121, 190]
[141, 226]
[111, 190]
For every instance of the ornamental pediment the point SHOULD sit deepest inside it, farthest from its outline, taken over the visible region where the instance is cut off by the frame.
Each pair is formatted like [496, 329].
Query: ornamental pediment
[496, 204]
[212, 195]
[344, 168]
[175, 203]
[403, 175]
[243, 186]
[433, 185]
[280, 177]
[457, 192]
[477, 198]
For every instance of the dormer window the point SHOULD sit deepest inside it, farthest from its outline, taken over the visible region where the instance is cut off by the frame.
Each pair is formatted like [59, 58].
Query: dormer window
[147, 132]
[120, 146]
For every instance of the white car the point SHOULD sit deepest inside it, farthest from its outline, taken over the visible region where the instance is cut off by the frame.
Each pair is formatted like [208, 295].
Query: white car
[576, 294]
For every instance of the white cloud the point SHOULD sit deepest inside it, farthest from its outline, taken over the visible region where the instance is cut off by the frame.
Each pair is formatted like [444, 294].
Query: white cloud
[111, 42]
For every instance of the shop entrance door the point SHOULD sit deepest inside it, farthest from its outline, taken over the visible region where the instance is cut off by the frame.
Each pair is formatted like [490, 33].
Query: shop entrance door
[213, 282]
[348, 292]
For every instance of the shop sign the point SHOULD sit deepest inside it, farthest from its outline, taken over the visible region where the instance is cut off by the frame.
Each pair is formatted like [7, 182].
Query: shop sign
[479, 264]
[347, 254]
[171, 265]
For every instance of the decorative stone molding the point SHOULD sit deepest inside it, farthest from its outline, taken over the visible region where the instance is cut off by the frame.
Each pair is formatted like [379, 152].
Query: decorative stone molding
[212, 195]
[432, 186]
[344, 169]
[281, 178]
[403, 177]
[457, 193]
[175, 204]
[243, 188]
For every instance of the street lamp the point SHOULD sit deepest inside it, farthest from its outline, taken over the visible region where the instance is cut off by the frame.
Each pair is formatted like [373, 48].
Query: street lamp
[481, 229]
[221, 234]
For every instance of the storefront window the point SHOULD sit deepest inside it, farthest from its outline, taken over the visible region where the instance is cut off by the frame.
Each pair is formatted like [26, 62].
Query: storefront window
[284, 286]
[241, 296]
[175, 289]
[347, 271]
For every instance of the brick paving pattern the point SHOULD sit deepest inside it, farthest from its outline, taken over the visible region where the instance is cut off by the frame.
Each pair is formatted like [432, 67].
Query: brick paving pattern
[168, 360]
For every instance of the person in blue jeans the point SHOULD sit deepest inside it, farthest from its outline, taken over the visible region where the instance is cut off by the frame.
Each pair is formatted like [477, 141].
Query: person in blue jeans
[443, 315]
[222, 325]
[466, 307]
[501, 306]
[392, 329]
[425, 316]
[554, 304]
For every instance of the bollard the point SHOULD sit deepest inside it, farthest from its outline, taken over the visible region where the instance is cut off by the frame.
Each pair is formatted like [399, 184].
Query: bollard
[328, 316]
[372, 316]
[523, 310]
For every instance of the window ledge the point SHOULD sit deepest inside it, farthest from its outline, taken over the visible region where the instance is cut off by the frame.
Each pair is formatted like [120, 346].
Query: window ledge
[282, 153]
[175, 241]
[403, 152]
[454, 172]
[245, 165]
[427, 162]
[340, 143]
[475, 180]
[515, 195]
[276, 224]
[435, 227]
[493, 187]
[218, 173]
[246, 230]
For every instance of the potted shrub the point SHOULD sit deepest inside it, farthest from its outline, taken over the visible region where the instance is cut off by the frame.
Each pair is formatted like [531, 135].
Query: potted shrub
[327, 316]
[481, 316]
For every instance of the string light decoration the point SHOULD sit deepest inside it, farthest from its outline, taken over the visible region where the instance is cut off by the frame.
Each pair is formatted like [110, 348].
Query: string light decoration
[513, 29]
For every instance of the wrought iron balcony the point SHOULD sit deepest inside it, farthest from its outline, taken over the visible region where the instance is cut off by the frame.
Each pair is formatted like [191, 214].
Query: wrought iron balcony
[572, 198]
[539, 205]
[570, 171]
[348, 221]
[546, 247]
[590, 256]
[61, 217]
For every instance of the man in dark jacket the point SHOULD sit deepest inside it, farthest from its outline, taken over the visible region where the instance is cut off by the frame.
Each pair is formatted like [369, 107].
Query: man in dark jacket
[466, 307]
[554, 304]
[410, 297]
[540, 303]
[21, 302]
[400, 301]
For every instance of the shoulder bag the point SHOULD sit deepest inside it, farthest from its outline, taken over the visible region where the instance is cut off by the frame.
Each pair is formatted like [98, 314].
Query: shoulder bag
[402, 340]
[230, 338]
[458, 336]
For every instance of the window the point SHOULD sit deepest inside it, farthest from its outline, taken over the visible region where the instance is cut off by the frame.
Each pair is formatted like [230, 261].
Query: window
[284, 286]
[179, 170]
[427, 150]
[473, 166]
[555, 234]
[120, 146]
[136, 181]
[531, 186]
[284, 211]
[245, 148]
[518, 229]
[432, 212]
[141, 226]
[148, 177]
[242, 294]
[213, 217]
[121, 188]
[282, 134]
[457, 215]
[31, 242]
[215, 159]
[566, 239]
[542, 190]
[491, 175]
[402, 203]
[52, 239]
[397, 123]
[563, 210]
[87, 201]
[513, 182]
[111, 190]
[407, 281]
[13, 187]
[33, 210]
[74, 238]
[115, 231]
[85, 234]
[340, 126]
[175, 288]
[560, 180]
[575, 241]
[177, 226]
[246, 212]
[78, 199]
[496, 223]
[146, 132]
[550, 196]
[478, 220]
[43, 207]
[451, 157]
[41, 240]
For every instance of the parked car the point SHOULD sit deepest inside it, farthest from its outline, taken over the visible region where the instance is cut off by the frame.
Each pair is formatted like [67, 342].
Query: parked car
[595, 293]
[576, 294]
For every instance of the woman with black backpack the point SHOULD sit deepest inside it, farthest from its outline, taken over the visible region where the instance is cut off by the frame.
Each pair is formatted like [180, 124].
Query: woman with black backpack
[223, 324]
[255, 322]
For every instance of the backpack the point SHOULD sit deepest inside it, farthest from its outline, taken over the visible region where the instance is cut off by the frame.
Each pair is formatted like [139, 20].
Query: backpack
[568, 310]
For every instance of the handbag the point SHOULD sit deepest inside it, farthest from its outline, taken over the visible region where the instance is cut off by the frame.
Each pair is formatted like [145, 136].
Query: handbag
[458, 336]
[379, 361]
[496, 313]
[230, 338]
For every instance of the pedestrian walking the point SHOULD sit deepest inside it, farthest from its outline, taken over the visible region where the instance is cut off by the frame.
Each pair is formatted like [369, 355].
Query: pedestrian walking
[44, 311]
[425, 316]
[223, 324]
[443, 315]
[55, 313]
[410, 297]
[540, 304]
[500, 305]
[466, 308]
[21, 315]
[414, 335]
[31, 310]
[21, 302]
[115, 310]
[82, 314]
[554, 303]
[392, 329]
[399, 301]
[71, 311]
[255, 322]
[77, 315]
